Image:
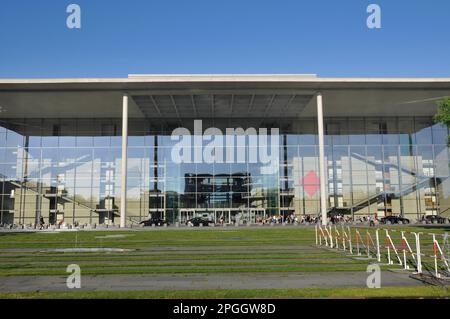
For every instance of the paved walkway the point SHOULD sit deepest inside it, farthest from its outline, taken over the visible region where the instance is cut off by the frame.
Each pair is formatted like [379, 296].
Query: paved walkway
[204, 281]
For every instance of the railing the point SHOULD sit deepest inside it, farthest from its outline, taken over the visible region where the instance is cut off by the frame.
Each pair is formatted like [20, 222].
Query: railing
[37, 192]
[416, 251]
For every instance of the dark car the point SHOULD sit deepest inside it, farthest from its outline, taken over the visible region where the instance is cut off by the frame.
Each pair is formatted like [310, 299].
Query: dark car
[394, 220]
[434, 219]
[197, 221]
[154, 221]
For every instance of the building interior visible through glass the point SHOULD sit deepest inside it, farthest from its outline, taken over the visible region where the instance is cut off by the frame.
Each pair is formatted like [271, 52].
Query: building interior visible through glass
[68, 171]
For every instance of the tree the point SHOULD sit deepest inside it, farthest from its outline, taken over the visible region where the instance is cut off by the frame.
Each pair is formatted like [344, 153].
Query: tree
[443, 114]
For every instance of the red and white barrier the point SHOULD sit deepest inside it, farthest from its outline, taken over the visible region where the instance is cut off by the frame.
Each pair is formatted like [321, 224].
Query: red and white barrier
[407, 249]
[337, 237]
[321, 234]
[317, 235]
[330, 235]
[377, 238]
[328, 241]
[350, 240]
[418, 253]
[359, 242]
[390, 245]
[436, 249]
[370, 242]
[345, 239]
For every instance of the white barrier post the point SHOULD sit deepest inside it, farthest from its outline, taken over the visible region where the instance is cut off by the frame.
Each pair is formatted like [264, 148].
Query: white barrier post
[388, 247]
[408, 247]
[320, 235]
[391, 243]
[368, 244]
[317, 239]
[344, 236]
[357, 243]
[331, 236]
[418, 253]
[377, 236]
[337, 235]
[442, 256]
[405, 266]
[435, 257]
[350, 240]
[323, 234]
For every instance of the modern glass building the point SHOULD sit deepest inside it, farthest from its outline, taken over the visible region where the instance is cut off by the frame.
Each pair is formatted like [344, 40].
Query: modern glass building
[101, 151]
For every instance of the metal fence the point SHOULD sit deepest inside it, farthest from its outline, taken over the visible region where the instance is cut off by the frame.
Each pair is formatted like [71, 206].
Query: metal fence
[420, 252]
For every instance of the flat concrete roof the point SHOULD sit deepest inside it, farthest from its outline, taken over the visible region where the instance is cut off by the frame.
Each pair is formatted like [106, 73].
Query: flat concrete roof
[155, 81]
[220, 95]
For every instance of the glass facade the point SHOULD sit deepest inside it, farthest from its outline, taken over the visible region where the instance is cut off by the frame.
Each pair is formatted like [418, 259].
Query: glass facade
[68, 171]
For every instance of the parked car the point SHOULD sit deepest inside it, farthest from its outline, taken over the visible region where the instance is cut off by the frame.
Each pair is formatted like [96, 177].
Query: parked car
[154, 221]
[196, 221]
[434, 219]
[388, 220]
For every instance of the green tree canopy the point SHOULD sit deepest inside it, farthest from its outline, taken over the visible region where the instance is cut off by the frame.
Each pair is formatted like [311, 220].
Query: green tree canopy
[443, 113]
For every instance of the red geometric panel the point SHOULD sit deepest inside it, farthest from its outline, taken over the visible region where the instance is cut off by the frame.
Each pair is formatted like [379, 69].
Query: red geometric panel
[311, 183]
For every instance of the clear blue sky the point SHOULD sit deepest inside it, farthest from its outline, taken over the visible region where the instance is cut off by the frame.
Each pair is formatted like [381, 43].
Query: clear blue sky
[326, 37]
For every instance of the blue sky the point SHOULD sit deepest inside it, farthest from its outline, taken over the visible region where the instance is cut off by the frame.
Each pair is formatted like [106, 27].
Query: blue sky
[325, 37]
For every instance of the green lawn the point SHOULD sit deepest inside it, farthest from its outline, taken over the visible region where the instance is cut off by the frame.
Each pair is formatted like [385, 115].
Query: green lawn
[156, 238]
[390, 292]
[172, 251]
[184, 251]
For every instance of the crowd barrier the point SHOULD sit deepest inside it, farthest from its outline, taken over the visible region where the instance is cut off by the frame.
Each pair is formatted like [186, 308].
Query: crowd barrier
[416, 251]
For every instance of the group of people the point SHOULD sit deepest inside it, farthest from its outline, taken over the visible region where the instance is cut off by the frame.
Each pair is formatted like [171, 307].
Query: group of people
[305, 219]
[340, 218]
[276, 219]
[333, 219]
[289, 219]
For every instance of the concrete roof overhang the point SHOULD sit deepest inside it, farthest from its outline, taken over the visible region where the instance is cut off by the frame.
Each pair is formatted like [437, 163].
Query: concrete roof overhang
[190, 96]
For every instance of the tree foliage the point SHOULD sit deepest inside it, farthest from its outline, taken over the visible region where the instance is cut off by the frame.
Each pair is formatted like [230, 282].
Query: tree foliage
[443, 113]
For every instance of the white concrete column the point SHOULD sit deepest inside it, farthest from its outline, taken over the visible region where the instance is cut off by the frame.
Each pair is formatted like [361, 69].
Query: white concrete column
[123, 177]
[322, 167]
